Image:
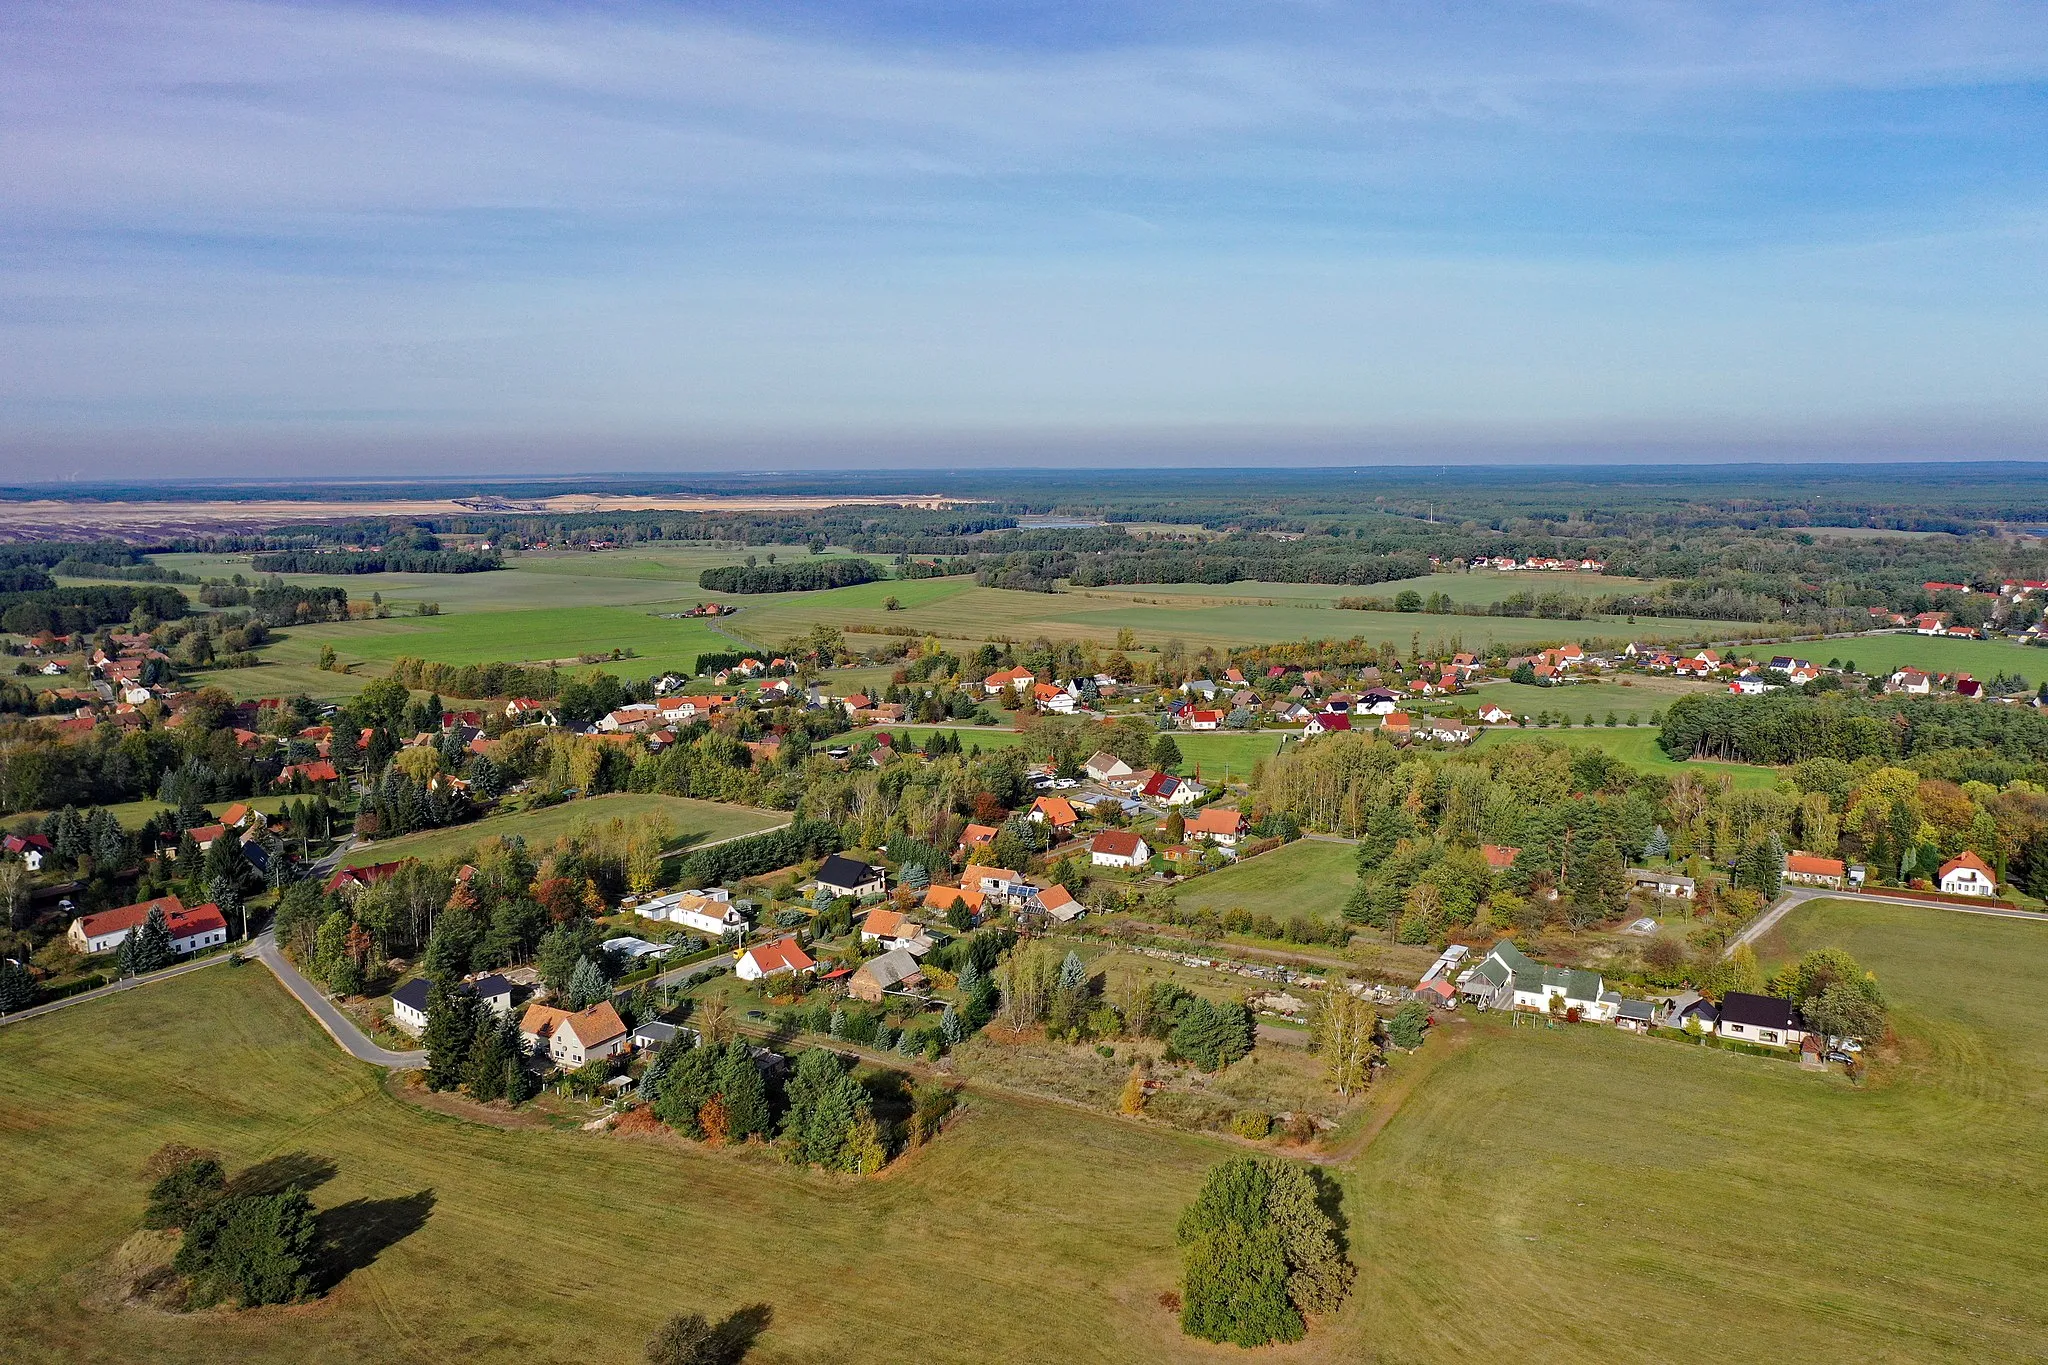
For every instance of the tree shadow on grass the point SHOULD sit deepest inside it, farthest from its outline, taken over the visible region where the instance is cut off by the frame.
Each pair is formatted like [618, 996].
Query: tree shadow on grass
[1330, 1198]
[734, 1337]
[304, 1170]
[354, 1234]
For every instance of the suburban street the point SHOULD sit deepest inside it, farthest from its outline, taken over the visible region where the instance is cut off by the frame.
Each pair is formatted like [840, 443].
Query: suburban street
[327, 1014]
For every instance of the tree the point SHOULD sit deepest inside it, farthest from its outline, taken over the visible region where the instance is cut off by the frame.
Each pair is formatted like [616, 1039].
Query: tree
[494, 1045]
[184, 1192]
[451, 1029]
[148, 948]
[587, 985]
[1406, 1028]
[17, 987]
[1132, 1101]
[1346, 1035]
[255, 1248]
[1842, 1011]
[950, 1027]
[744, 1093]
[14, 879]
[1258, 1253]
[1166, 754]
[686, 1339]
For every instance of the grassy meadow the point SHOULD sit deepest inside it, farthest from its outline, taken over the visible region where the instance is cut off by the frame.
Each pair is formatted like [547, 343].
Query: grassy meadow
[695, 822]
[1309, 878]
[1636, 747]
[1557, 1195]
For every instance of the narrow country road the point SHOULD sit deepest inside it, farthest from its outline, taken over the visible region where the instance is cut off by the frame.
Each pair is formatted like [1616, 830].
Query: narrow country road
[326, 1013]
[1792, 900]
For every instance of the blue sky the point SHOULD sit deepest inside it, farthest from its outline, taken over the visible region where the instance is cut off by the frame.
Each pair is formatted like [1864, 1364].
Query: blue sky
[403, 238]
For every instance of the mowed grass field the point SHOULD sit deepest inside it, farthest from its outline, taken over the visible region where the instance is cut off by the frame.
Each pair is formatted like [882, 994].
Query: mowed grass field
[1584, 1194]
[1309, 878]
[1474, 588]
[1044, 1233]
[1550, 1195]
[695, 822]
[1220, 756]
[1635, 746]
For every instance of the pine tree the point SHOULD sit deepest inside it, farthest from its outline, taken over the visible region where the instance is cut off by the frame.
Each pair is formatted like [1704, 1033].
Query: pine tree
[492, 1047]
[152, 942]
[744, 1092]
[228, 900]
[1659, 845]
[1073, 974]
[451, 1029]
[950, 1027]
[17, 987]
[587, 985]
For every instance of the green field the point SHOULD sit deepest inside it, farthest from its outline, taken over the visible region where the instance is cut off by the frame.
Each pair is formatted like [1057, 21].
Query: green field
[1637, 747]
[1554, 1195]
[133, 813]
[694, 821]
[1308, 878]
[1881, 654]
[1220, 756]
[1585, 1194]
[1475, 588]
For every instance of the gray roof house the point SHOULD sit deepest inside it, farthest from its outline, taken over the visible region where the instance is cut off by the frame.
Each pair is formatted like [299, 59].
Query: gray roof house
[1510, 978]
[844, 876]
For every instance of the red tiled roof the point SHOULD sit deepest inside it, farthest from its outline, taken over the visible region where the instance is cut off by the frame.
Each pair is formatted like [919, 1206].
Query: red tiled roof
[783, 953]
[1117, 843]
[1812, 865]
[1969, 860]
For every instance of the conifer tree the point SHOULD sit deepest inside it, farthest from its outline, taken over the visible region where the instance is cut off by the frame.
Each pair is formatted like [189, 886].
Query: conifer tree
[151, 942]
[587, 986]
[745, 1094]
[492, 1047]
[950, 1027]
[451, 1029]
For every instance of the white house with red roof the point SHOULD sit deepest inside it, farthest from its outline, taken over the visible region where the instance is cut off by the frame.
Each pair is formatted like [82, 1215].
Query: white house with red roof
[1118, 848]
[1966, 875]
[784, 955]
[202, 926]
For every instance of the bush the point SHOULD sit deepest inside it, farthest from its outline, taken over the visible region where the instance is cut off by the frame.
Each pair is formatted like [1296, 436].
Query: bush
[1252, 1123]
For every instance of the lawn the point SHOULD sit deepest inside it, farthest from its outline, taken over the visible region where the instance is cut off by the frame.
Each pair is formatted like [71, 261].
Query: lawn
[1309, 878]
[558, 633]
[1476, 588]
[1634, 746]
[1881, 654]
[133, 813]
[694, 821]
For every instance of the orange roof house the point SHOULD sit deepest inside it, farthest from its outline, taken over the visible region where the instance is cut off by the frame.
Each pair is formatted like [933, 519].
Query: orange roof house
[1056, 811]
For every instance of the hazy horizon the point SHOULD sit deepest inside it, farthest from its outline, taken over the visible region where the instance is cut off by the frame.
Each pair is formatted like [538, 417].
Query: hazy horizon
[702, 236]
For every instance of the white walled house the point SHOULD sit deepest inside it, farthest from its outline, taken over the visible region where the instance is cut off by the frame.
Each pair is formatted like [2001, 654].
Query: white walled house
[711, 911]
[1968, 876]
[1761, 1019]
[1118, 848]
[409, 1006]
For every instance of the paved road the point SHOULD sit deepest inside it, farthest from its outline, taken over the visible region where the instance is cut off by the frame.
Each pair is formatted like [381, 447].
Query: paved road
[1792, 900]
[327, 1014]
[126, 984]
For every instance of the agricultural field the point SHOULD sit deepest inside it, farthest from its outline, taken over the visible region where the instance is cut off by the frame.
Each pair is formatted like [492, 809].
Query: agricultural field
[1636, 747]
[1881, 654]
[695, 822]
[1219, 755]
[132, 814]
[1466, 589]
[1309, 878]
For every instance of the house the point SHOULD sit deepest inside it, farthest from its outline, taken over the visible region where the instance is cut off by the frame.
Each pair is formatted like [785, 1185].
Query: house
[240, 816]
[1499, 857]
[772, 959]
[30, 848]
[1762, 1019]
[633, 949]
[1328, 722]
[1813, 870]
[1635, 1015]
[1374, 701]
[710, 911]
[202, 926]
[651, 1035]
[844, 876]
[1103, 767]
[1118, 848]
[1059, 902]
[409, 1006]
[1056, 811]
[1018, 679]
[1204, 720]
[310, 773]
[1219, 825]
[494, 993]
[349, 880]
[1445, 732]
[944, 898]
[520, 710]
[572, 1039]
[1508, 978]
[1174, 791]
[1397, 725]
[1931, 623]
[889, 928]
[895, 972]
[1912, 680]
[1661, 883]
[1496, 715]
[994, 883]
[1967, 875]
[973, 837]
